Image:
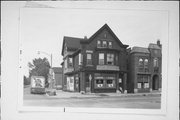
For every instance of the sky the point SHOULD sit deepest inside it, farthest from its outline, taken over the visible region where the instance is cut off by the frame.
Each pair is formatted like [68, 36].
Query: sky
[43, 29]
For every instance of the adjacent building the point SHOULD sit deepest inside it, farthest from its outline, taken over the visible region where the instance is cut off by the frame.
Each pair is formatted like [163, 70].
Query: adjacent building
[145, 68]
[58, 76]
[102, 63]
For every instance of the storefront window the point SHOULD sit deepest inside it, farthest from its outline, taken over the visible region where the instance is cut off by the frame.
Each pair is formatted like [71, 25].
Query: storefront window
[101, 58]
[139, 85]
[146, 85]
[89, 59]
[109, 83]
[104, 44]
[110, 59]
[99, 83]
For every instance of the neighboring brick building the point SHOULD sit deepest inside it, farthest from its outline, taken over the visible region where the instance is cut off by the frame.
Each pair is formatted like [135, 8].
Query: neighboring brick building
[145, 68]
[103, 63]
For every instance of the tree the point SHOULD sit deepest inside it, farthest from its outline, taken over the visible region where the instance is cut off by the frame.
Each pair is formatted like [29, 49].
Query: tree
[39, 67]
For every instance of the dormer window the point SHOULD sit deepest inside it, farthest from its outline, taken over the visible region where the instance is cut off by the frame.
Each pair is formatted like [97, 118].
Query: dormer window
[104, 44]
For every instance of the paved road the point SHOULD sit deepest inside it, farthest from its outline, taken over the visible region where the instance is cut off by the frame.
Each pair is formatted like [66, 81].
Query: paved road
[146, 102]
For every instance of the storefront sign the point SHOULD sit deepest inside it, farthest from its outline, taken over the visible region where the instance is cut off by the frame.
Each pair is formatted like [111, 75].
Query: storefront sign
[89, 51]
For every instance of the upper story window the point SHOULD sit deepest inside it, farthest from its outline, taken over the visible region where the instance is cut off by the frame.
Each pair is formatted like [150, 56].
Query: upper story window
[146, 62]
[80, 59]
[104, 44]
[98, 43]
[140, 65]
[101, 58]
[155, 62]
[65, 63]
[70, 62]
[89, 59]
[110, 44]
[110, 59]
[140, 62]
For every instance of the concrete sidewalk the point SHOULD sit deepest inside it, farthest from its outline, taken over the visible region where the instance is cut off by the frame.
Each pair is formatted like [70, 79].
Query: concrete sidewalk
[63, 94]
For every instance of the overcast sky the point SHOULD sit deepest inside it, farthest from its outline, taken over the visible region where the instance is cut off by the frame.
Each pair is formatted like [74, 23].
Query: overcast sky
[43, 29]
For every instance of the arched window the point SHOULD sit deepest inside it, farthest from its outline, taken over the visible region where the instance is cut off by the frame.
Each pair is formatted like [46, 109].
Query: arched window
[140, 62]
[146, 63]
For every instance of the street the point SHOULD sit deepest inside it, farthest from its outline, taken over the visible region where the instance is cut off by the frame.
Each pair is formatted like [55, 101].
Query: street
[103, 100]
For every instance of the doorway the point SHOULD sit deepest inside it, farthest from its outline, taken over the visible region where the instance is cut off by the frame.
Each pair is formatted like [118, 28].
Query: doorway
[155, 82]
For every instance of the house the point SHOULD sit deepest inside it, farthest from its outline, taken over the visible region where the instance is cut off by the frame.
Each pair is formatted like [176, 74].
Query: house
[145, 68]
[102, 63]
[95, 64]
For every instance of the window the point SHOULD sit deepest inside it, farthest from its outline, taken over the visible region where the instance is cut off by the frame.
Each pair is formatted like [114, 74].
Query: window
[89, 59]
[104, 44]
[110, 44]
[99, 83]
[110, 59]
[146, 65]
[80, 59]
[146, 85]
[98, 43]
[109, 83]
[101, 58]
[140, 64]
[70, 62]
[139, 85]
[155, 62]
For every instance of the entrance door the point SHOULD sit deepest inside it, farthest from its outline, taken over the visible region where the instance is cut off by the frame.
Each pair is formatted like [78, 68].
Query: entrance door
[155, 82]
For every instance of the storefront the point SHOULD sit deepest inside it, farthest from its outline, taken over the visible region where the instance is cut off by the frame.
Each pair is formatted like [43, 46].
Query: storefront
[143, 83]
[104, 82]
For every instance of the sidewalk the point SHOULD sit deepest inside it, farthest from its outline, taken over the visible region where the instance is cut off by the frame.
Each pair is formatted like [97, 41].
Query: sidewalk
[63, 94]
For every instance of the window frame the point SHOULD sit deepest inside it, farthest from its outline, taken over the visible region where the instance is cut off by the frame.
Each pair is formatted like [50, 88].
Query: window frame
[90, 60]
[104, 45]
[99, 60]
[99, 45]
[108, 60]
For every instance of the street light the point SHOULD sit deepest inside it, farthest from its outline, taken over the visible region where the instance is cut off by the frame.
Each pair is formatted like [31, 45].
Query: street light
[50, 55]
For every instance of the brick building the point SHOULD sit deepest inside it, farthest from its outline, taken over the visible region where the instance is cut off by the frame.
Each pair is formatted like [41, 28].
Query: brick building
[144, 68]
[102, 63]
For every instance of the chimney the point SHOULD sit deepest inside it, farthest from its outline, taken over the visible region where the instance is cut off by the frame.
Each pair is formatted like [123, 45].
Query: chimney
[85, 37]
[158, 43]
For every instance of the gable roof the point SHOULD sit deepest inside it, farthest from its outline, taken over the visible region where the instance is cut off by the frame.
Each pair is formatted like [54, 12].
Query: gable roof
[105, 26]
[139, 50]
[57, 69]
[153, 46]
[72, 43]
